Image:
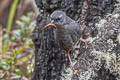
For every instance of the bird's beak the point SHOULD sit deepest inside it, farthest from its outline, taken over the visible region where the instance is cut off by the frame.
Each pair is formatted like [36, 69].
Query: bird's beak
[51, 24]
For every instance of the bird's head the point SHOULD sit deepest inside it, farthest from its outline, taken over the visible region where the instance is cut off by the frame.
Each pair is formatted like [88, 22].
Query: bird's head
[57, 18]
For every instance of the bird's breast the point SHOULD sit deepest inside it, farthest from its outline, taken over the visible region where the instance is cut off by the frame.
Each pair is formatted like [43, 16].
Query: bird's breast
[63, 39]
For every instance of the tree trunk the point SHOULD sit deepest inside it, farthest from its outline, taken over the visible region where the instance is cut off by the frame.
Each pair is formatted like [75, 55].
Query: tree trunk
[100, 61]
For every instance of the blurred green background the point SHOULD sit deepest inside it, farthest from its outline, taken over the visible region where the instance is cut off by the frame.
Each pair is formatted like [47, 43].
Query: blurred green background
[17, 22]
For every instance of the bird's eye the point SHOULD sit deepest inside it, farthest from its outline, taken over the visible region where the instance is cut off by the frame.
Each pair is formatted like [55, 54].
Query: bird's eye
[51, 19]
[58, 19]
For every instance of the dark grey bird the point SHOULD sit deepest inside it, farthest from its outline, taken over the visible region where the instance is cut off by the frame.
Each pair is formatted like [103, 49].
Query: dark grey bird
[68, 31]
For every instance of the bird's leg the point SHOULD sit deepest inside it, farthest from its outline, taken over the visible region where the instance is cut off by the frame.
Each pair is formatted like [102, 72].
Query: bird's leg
[86, 44]
[68, 54]
[73, 68]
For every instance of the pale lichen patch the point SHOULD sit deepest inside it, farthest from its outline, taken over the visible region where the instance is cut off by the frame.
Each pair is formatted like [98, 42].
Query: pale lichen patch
[118, 38]
[101, 23]
[110, 61]
[115, 15]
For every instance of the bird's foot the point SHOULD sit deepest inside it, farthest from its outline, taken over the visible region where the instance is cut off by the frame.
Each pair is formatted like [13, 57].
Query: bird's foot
[86, 44]
[75, 70]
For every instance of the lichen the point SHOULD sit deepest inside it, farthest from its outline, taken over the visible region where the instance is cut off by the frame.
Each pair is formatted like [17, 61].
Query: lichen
[102, 57]
[118, 38]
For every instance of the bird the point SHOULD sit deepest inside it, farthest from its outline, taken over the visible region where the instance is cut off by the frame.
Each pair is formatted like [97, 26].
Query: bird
[67, 32]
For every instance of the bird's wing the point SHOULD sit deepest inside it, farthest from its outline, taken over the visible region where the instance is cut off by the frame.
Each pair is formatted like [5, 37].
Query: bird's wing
[75, 31]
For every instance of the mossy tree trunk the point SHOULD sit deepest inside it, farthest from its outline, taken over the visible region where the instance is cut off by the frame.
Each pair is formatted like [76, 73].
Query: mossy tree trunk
[100, 61]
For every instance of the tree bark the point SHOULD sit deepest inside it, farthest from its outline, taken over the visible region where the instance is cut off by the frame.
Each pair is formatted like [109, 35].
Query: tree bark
[100, 61]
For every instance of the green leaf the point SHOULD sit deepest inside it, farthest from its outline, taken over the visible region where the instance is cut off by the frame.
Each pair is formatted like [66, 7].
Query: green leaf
[19, 50]
[18, 71]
